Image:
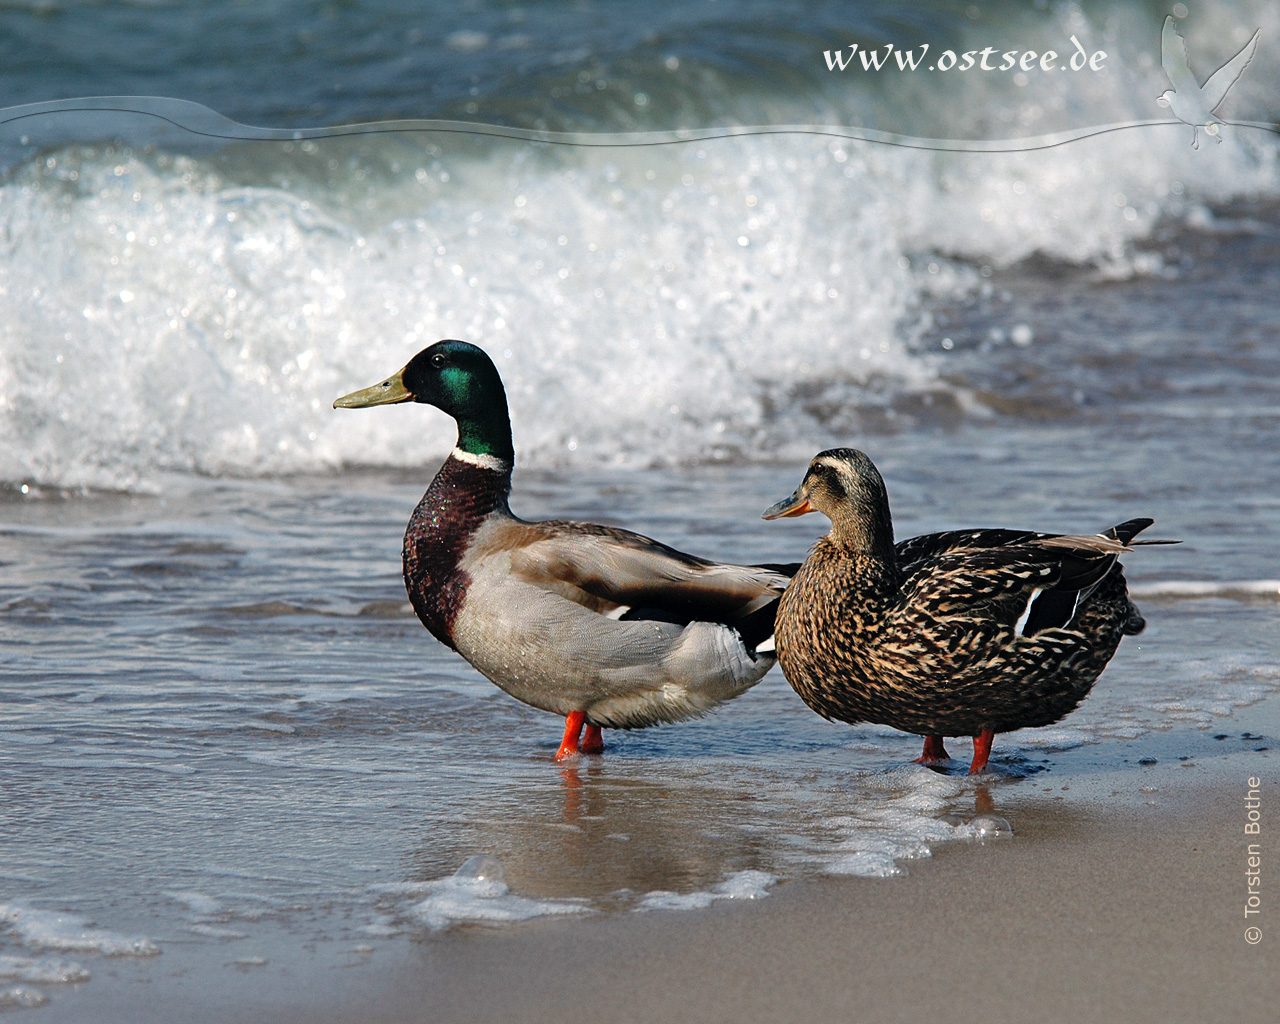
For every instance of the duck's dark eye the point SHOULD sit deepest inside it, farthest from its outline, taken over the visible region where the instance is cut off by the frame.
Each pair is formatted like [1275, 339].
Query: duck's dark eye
[437, 360]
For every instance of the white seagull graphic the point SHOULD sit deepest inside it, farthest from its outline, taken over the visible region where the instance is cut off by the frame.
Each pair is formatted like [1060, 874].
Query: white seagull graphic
[1190, 102]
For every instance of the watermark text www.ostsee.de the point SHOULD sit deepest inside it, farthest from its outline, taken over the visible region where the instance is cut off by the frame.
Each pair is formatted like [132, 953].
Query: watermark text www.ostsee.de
[1253, 861]
[989, 58]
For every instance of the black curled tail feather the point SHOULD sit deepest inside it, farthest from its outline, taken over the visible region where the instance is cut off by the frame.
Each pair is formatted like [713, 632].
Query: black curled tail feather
[754, 629]
[1134, 623]
[1129, 529]
[757, 627]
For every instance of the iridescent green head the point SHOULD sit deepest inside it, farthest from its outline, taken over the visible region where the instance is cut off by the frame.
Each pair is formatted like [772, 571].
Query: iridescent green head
[458, 378]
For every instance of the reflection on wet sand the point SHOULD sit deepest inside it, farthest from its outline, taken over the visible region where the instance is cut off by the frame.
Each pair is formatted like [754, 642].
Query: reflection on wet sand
[614, 830]
[595, 829]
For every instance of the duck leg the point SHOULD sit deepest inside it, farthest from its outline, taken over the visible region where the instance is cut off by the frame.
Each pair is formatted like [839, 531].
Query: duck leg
[592, 741]
[981, 750]
[573, 722]
[934, 751]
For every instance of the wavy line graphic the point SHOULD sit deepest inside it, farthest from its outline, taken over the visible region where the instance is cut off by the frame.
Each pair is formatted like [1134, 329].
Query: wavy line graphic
[201, 121]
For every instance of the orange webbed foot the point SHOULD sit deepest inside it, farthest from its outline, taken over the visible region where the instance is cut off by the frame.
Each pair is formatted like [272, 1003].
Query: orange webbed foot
[934, 752]
[981, 750]
[573, 723]
[592, 741]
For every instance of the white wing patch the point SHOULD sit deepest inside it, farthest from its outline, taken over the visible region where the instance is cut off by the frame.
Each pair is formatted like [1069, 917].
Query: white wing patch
[1021, 624]
[1026, 612]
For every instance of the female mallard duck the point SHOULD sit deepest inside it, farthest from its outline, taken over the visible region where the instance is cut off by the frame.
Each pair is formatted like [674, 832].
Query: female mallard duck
[966, 633]
[603, 626]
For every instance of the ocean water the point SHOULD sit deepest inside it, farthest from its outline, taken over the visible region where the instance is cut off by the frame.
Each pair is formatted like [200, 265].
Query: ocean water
[227, 747]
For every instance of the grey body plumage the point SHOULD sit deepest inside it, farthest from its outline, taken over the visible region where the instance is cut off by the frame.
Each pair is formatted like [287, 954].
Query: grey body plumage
[604, 626]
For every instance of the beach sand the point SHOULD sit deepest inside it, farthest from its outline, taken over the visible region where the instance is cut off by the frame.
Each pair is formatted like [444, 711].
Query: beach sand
[228, 745]
[1132, 913]
[1128, 914]
[1109, 904]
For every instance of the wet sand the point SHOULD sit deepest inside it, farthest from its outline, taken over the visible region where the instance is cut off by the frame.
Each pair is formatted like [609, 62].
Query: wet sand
[239, 772]
[1124, 913]
[1127, 913]
[1120, 898]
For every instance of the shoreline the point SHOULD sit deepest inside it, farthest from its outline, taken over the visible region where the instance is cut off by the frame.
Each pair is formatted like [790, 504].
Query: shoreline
[1130, 913]
[1119, 897]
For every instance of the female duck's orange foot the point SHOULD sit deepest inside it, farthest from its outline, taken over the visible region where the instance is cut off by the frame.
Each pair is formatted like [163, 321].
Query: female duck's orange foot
[934, 751]
[573, 723]
[981, 750]
[592, 741]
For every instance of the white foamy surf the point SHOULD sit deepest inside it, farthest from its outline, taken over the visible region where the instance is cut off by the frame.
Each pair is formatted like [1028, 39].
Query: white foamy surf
[20, 997]
[741, 885]
[477, 894]
[42, 970]
[48, 929]
[899, 815]
[1236, 590]
[732, 298]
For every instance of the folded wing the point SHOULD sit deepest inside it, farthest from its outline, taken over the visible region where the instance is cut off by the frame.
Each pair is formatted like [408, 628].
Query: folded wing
[626, 575]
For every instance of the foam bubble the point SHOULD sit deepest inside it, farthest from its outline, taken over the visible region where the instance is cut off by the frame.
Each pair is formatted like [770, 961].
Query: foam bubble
[477, 893]
[1203, 708]
[215, 932]
[866, 864]
[20, 997]
[896, 818]
[47, 929]
[990, 826]
[42, 970]
[741, 885]
[483, 874]
[1058, 737]
[197, 902]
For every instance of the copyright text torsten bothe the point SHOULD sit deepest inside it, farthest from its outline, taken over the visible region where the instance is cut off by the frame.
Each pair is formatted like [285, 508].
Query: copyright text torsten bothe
[1253, 861]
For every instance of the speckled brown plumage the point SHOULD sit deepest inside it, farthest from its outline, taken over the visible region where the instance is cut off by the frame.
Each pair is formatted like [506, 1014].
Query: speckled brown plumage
[939, 637]
[936, 653]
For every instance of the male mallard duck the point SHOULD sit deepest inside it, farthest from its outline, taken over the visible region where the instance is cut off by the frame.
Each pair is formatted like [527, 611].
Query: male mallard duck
[965, 633]
[601, 625]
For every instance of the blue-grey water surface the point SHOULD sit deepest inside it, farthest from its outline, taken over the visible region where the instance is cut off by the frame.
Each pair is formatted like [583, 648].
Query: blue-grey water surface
[227, 748]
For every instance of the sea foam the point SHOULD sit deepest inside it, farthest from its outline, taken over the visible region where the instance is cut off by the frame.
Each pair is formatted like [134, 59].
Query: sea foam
[48, 929]
[741, 885]
[477, 893]
[898, 815]
[730, 298]
[42, 970]
[20, 997]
